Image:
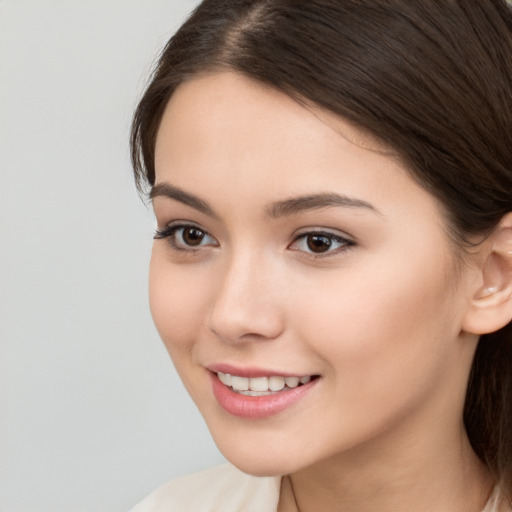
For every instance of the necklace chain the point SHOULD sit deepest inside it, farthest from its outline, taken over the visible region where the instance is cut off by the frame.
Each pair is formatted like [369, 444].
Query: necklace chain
[293, 494]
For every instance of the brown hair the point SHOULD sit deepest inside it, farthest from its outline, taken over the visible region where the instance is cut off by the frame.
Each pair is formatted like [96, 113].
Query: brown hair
[432, 79]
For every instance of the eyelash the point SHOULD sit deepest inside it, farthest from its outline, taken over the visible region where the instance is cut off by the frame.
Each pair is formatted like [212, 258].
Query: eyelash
[345, 243]
[169, 233]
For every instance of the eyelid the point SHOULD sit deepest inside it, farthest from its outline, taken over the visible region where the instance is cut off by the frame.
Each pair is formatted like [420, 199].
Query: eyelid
[169, 230]
[323, 230]
[165, 230]
[347, 242]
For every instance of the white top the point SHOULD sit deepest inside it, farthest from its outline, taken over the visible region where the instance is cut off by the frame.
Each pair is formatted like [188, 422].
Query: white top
[226, 489]
[496, 502]
[220, 489]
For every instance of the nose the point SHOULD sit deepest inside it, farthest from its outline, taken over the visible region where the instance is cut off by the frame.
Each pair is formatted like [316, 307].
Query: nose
[247, 305]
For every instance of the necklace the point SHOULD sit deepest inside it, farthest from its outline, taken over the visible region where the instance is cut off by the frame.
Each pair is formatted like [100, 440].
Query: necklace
[293, 494]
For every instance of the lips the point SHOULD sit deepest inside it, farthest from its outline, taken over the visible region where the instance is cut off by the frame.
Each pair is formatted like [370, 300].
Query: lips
[261, 396]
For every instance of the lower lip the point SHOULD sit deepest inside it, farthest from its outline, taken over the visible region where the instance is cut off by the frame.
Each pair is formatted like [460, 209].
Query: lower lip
[257, 407]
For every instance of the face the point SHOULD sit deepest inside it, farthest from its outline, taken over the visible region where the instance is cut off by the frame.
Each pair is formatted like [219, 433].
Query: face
[308, 267]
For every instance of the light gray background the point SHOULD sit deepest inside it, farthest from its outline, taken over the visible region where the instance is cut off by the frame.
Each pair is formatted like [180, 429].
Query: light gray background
[92, 415]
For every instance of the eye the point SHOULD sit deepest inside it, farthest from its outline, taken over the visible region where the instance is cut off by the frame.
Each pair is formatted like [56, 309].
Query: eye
[185, 236]
[320, 243]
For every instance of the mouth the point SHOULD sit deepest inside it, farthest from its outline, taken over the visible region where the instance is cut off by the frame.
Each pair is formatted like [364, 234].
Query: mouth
[259, 397]
[263, 386]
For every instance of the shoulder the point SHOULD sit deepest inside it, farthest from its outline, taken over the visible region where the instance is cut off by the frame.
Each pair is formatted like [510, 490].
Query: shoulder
[220, 489]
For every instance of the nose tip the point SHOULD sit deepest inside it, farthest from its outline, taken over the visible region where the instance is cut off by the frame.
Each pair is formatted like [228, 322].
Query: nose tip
[246, 307]
[235, 328]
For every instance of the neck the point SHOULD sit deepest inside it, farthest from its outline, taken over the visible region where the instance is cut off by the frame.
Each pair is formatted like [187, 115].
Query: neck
[436, 474]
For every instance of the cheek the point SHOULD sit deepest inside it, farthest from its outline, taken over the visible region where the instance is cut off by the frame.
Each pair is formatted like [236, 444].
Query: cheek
[380, 328]
[176, 299]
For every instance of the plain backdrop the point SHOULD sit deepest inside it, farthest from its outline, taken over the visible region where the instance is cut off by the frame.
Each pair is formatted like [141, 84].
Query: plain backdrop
[92, 415]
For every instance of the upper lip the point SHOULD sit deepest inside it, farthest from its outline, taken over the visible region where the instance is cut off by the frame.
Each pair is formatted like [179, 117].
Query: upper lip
[248, 371]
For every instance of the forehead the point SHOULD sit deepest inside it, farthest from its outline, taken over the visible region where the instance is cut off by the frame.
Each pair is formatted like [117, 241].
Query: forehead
[220, 95]
[231, 124]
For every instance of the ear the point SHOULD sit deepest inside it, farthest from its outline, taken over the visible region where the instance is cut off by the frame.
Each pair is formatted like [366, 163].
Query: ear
[491, 303]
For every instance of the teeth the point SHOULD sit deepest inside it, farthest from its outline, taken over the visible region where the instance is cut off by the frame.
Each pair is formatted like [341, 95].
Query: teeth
[255, 393]
[292, 382]
[258, 386]
[276, 383]
[225, 378]
[239, 383]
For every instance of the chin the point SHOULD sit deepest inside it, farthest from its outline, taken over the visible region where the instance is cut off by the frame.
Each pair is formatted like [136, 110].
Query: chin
[262, 466]
[259, 458]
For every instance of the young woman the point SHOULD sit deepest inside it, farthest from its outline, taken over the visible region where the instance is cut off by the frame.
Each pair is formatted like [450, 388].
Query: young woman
[332, 267]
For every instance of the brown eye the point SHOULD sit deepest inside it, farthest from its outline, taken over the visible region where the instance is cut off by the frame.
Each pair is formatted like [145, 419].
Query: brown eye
[321, 243]
[318, 243]
[182, 237]
[193, 236]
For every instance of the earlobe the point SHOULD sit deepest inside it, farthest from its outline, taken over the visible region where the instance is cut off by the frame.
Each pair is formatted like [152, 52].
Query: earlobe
[491, 304]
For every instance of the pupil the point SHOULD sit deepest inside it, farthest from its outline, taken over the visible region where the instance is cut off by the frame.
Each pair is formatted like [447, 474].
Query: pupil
[193, 236]
[319, 243]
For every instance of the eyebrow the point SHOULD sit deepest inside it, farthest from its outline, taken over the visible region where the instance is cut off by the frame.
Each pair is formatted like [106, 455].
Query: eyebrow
[167, 190]
[314, 202]
[274, 210]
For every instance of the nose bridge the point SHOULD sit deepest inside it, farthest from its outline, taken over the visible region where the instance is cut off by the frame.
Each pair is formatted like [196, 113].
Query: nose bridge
[246, 305]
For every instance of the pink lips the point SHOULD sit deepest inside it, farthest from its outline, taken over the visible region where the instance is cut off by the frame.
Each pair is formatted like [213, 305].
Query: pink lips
[256, 407]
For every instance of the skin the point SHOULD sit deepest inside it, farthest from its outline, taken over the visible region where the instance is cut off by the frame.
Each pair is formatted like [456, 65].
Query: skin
[379, 318]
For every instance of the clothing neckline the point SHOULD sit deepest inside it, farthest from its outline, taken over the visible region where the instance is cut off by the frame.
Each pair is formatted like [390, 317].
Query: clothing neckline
[495, 500]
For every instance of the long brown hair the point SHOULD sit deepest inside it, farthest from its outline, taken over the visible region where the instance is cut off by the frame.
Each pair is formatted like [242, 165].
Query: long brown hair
[432, 79]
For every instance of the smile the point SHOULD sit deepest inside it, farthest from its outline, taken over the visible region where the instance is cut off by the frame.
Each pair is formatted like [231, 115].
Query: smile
[259, 397]
[261, 386]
